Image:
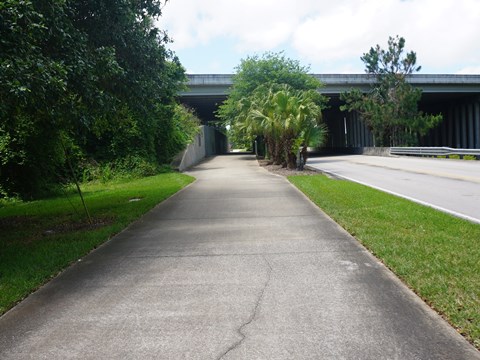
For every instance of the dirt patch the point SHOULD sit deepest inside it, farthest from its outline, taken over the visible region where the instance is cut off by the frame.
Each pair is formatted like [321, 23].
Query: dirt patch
[279, 170]
[72, 226]
[12, 222]
[28, 229]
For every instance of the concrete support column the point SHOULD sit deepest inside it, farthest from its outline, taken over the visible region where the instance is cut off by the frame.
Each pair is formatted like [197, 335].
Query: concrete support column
[363, 130]
[450, 122]
[337, 141]
[358, 122]
[358, 131]
[355, 129]
[352, 131]
[477, 124]
[360, 139]
[464, 127]
[340, 134]
[438, 132]
[457, 127]
[444, 128]
[471, 129]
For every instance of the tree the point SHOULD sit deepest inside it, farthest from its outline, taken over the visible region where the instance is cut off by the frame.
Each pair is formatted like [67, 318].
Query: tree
[257, 89]
[144, 91]
[185, 126]
[33, 84]
[93, 77]
[390, 109]
[289, 120]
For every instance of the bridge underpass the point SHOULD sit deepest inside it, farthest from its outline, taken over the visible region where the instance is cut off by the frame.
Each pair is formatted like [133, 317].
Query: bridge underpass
[205, 107]
[457, 97]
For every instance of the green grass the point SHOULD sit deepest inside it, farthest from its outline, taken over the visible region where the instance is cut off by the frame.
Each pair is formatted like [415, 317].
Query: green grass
[435, 254]
[40, 238]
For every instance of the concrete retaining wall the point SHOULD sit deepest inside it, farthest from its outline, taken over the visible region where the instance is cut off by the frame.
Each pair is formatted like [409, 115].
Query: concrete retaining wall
[193, 154]
[210, 149]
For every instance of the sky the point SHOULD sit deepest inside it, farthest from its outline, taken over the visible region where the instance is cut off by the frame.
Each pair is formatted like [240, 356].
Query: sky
[330, 36]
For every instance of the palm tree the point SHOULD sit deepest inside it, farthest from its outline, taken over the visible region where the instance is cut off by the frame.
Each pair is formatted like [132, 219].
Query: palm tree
[263, 116]
[306, 126]
[289, 120]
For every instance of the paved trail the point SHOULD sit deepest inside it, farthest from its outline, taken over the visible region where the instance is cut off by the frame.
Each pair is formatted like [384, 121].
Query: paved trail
[239, 265]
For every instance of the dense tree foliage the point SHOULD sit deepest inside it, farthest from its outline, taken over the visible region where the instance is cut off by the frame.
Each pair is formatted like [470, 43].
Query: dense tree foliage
[390, 109]
[275, 97]
[289, 121]
[88, 79]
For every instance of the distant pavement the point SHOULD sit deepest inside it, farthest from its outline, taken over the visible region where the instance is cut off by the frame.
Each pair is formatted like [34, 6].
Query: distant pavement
[452, 186]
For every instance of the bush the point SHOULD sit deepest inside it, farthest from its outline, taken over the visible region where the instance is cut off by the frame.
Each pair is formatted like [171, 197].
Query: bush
[136, 167]
[130, 167]
[181, 132]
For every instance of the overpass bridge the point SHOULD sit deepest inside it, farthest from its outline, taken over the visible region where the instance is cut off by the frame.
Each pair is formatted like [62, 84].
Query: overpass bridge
[457, 97]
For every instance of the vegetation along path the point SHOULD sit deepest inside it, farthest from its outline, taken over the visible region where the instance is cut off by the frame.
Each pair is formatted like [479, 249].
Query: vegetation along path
[239, 265]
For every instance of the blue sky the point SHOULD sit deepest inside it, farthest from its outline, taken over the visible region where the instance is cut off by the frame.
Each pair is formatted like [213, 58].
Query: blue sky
[212, 36]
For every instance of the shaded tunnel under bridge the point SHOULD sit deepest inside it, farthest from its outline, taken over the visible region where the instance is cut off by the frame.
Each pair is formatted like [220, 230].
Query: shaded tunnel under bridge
[457, 97]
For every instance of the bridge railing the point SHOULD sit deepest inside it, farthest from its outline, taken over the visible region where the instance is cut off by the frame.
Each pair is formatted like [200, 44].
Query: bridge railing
[433, 151]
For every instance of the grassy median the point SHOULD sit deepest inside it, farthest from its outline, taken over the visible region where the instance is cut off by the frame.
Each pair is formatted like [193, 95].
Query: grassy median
[435, 254]
[40, 238]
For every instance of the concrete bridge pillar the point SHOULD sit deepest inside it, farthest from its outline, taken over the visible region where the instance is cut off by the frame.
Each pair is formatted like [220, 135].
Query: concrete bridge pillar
[464, 127]
[471, 129]
[465, 120]
[450, 127]
[477, 124]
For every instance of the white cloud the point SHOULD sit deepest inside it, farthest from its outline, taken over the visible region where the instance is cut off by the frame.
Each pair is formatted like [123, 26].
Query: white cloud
[470, 70]
[441, 32]
[335, 35]
[444, 33]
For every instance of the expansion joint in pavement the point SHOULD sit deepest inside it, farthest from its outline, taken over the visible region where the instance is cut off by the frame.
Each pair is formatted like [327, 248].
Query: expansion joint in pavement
[330, 251]
[253, 314]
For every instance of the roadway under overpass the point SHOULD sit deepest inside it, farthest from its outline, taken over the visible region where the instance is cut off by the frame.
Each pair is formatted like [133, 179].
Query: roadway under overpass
[457, 97]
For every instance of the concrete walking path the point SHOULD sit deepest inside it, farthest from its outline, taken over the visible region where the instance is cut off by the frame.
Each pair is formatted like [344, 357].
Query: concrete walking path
[239, 265]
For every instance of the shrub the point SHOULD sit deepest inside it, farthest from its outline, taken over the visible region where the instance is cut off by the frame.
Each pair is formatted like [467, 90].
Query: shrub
[132, 166]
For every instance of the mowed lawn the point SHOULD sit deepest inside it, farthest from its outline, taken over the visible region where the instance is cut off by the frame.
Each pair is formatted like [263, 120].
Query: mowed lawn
[435, 254]
[40, 238]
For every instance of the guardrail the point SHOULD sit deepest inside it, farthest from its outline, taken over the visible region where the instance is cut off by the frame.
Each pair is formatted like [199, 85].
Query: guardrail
[433, 151]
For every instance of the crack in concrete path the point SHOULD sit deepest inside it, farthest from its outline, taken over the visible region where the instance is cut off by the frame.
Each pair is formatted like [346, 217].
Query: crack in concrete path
[253, 314]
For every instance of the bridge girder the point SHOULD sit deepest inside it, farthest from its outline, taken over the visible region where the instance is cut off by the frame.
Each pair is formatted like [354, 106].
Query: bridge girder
[457, 97]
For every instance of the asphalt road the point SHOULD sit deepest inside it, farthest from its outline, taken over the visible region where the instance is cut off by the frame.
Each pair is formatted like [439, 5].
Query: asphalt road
[239, 265]
[452, 186]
